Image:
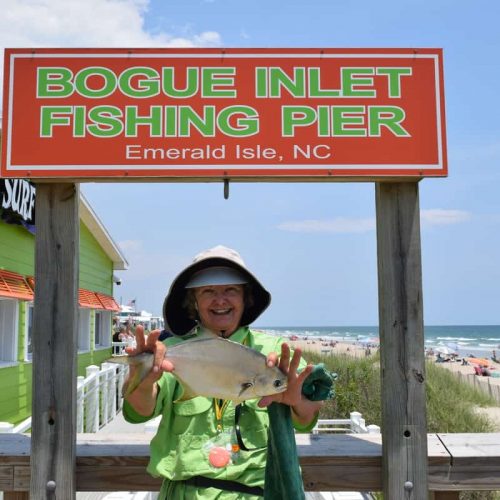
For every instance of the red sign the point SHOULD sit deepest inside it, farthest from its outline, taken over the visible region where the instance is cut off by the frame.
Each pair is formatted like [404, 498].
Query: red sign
[211, 113]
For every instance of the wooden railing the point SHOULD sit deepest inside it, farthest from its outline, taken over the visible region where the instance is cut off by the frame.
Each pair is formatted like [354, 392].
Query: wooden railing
[330, 462]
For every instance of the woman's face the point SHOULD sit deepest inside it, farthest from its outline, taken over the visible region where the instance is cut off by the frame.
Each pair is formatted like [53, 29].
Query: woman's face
[220, 307]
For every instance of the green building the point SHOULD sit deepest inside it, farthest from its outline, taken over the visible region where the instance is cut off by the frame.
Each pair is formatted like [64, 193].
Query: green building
[99, 258]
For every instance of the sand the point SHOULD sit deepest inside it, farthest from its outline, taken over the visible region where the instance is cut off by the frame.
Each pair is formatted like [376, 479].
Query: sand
[328, 347]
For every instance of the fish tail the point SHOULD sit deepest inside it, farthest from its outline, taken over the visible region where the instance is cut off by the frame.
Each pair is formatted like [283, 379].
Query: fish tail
[122, 359]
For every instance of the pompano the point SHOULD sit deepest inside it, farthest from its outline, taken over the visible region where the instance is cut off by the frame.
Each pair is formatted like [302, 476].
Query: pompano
[213, 367]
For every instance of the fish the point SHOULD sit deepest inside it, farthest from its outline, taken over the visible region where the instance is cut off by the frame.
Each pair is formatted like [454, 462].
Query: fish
[213, 367]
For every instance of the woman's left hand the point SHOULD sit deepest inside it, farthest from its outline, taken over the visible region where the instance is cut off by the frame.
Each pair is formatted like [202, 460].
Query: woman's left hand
[293, 394]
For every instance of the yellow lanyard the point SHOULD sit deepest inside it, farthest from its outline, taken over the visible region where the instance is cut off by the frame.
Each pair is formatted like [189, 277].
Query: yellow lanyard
[220, 406]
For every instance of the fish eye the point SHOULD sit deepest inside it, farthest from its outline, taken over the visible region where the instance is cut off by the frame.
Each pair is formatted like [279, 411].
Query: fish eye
[278, 383]
[246, 385]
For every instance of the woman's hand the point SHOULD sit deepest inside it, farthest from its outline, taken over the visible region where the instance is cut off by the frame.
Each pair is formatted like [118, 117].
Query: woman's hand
[303, 410]
[143, 398]
[151, 344]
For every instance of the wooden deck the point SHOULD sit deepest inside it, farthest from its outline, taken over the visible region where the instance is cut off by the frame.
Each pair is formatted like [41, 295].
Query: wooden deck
[348, 462]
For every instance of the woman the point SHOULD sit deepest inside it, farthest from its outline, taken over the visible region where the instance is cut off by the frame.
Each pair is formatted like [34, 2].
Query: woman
[218, 293]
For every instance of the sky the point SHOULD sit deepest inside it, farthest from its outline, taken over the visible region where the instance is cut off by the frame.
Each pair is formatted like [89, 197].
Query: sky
[313, 245]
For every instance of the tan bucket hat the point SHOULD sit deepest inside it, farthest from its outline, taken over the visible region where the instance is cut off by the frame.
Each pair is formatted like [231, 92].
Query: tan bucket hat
[177, 319]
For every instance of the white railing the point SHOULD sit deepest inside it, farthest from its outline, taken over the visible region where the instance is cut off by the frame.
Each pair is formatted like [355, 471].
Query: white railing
[119, 347]
[354, 424]
[97, 401]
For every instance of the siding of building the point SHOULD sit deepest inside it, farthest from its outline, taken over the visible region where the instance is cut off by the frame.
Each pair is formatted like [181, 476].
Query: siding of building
[17, 254]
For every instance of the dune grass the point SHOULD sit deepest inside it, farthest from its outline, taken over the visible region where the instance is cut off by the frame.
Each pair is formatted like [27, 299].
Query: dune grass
[450, 403]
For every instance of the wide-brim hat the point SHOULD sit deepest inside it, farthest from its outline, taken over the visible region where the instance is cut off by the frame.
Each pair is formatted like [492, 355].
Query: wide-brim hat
[176, 316]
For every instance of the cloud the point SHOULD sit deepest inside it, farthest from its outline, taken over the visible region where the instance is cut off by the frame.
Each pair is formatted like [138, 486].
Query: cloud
[337, 225]
[345, 225]
[87, 23]
[441, 217]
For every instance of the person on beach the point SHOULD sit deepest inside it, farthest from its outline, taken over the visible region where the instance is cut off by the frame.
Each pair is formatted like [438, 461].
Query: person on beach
[216, 292]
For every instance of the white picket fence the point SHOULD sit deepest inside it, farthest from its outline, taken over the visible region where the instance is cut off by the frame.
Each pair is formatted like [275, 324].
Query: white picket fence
[354, 424]
[98, 399]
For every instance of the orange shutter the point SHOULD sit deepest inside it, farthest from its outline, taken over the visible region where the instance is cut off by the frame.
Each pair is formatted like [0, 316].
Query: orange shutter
[88, 299]
[15, 286]
[108, 302]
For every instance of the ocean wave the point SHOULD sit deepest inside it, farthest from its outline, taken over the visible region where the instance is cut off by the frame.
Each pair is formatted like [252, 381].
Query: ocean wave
[455, 339]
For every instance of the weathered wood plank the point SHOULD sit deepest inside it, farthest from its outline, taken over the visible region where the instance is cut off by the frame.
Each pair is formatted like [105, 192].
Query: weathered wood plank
[6, 477]
[54, 342]
[329, 462]
[16, 495]
[446, 495]
[404, 425]
[476, 460]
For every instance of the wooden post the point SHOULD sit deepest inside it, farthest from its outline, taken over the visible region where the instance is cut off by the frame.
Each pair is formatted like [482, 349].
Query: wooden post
[53, 445]
[404, 425]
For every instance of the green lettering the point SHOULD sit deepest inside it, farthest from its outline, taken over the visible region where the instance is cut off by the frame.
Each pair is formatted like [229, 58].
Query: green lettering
[170, 120]
[296, 116]
[394, 79]
[145, 87]
[191, 86]
[295, 86]
[213, 78]
[386, 116]
[104, 76]
[348, 115]
[350, 80]
[244, 126]
[260, 82]
[315, 89]
[153, 121]
[106, 121]
[79, 117]
[189, 118]
[54, 82]
[54, 115]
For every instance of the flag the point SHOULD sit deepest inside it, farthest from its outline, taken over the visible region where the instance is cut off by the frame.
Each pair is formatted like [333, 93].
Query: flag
[131, 303]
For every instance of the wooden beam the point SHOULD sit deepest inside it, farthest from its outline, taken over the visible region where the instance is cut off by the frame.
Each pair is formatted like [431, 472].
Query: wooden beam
[404, 424]
[55, 342]
[16, 495]
[329, 462]
[446, 495]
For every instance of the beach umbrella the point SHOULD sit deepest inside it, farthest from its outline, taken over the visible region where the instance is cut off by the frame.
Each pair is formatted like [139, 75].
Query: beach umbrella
[443, 350]
[369, 340]
[479, 361]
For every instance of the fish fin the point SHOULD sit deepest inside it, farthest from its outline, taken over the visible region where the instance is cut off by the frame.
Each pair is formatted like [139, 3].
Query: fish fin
[140, 373]
[205, 333]
[131, 385]
[187, 393]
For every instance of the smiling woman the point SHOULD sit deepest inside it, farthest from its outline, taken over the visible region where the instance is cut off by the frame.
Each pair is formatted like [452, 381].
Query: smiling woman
[206, 443]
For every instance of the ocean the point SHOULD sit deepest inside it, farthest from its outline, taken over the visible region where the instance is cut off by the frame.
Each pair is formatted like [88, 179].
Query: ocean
[478, 340]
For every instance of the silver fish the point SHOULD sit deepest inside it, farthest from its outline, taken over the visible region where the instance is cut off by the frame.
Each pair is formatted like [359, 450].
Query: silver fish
[213, 367]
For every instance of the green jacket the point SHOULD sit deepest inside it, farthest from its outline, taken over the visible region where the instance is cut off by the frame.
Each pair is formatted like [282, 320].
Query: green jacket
[180, 447]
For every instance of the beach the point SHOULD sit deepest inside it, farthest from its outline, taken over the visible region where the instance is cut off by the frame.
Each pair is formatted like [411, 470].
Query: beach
[466, 373]
[328, 346]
